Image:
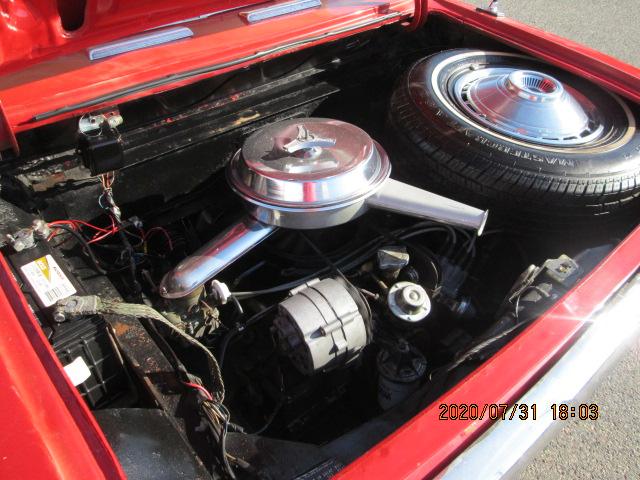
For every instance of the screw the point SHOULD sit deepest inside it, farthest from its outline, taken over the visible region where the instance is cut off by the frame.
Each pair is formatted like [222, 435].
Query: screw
[59, 316]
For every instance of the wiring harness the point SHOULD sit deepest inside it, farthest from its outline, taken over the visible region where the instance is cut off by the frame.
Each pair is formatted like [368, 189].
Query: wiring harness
[216, 414]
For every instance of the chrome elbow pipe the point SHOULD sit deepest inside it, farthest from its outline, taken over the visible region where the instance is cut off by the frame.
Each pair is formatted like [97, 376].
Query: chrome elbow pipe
[205, 263]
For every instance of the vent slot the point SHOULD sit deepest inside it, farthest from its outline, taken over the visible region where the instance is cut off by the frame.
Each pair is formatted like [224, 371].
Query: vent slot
[71, 13]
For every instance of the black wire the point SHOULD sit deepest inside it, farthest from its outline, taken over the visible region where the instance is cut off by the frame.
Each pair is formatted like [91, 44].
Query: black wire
[223, 448]
[367, 250]
[236, 303]
[132, 263]
[178, 108]
[86, 248]
[248, 272]
[524, 290]
[181, 371]
[224, 343]
[271, 418]
[281, 287]
[324, 257]
[478, 347]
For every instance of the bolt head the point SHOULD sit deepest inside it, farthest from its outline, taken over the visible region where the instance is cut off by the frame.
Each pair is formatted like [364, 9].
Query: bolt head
[414, 296]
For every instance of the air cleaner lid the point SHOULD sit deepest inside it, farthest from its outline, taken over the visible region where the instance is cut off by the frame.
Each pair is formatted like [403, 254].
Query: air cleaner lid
[308, 163]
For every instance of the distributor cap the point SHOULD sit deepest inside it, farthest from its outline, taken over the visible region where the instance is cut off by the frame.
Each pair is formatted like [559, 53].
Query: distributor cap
[408, 301]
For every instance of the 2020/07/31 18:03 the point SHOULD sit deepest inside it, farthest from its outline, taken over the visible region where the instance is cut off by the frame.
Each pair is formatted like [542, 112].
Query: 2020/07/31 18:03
[517, 411]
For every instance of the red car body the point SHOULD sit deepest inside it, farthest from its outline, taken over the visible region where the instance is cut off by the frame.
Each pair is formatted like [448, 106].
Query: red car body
[48, 432]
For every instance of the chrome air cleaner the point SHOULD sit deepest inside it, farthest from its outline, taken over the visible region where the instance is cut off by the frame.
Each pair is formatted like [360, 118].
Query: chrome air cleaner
[306, 174]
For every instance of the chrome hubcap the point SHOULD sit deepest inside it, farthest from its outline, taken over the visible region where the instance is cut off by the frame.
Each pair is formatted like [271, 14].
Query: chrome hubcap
[526, 105]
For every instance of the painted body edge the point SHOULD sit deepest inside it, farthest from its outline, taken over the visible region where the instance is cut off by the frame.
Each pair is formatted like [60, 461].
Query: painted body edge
[418, 449]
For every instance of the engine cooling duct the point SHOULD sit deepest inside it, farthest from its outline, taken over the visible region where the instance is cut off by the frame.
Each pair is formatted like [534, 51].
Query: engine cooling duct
[307, 174]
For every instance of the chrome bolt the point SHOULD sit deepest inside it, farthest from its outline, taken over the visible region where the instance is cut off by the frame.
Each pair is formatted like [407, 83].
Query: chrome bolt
[413, 296]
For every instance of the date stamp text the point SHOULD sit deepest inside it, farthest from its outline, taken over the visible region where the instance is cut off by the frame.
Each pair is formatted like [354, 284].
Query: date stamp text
[516, 411]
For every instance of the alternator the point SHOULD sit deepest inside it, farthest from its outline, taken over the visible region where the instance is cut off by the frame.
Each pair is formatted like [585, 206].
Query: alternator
[323, 325]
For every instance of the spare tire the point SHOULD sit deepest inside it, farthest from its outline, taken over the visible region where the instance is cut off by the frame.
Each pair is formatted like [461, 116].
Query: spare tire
[516, 135]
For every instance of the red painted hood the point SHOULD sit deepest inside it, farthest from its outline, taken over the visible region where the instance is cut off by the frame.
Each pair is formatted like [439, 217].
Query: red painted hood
[46, 74]
[45, 69]
[33, 30]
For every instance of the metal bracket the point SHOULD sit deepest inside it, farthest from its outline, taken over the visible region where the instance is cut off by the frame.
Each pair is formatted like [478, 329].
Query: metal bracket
[99, 141]
[90, 122]
[492, 9]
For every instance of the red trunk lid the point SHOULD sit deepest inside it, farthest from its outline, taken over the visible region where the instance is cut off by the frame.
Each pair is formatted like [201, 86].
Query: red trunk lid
[46, 74]
[33, 30]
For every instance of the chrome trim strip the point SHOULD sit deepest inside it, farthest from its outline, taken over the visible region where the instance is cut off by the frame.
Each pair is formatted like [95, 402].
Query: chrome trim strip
[495, 454]
[264, 13]
[137, 42]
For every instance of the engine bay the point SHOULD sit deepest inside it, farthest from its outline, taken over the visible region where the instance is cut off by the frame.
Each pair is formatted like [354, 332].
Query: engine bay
[274, 344]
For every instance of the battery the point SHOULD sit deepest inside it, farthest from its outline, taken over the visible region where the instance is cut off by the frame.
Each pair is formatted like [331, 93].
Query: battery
[85, 337]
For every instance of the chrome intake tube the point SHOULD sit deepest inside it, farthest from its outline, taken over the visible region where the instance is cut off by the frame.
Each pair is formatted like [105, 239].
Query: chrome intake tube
[405, 199]
[210, 259]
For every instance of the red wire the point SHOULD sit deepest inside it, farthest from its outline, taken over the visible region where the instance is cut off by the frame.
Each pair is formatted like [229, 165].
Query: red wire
[201, 389]
[114, 228]
[75, 224]
[100, 233]
[160, 229]
[103, 236]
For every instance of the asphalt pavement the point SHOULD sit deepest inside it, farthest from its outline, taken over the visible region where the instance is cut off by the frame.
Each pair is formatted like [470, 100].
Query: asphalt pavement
[608, 448]
[610, 26]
